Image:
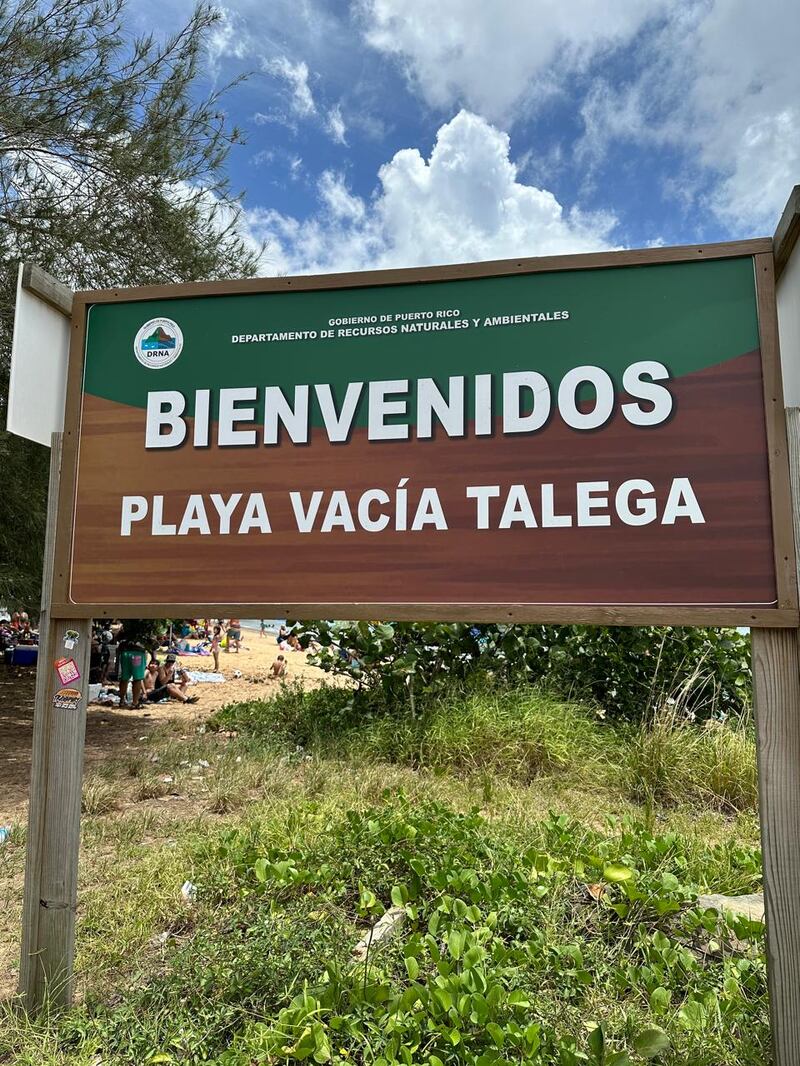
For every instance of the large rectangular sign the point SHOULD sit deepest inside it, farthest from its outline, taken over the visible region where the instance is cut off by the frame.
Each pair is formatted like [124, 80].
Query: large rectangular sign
[581, 443]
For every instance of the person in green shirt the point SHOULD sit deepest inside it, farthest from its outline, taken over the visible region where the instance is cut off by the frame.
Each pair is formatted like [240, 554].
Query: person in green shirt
[132, 663]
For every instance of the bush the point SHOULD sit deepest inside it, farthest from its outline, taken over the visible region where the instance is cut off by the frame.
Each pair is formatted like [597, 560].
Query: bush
[624, 669]
[512, 733]
[673, 761]
[628, 670]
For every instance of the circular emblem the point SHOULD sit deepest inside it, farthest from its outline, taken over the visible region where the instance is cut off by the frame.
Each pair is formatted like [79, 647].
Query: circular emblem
[158, 343]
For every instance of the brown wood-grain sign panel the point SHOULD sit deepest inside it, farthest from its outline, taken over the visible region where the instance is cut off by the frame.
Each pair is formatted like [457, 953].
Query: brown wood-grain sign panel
[580, 443]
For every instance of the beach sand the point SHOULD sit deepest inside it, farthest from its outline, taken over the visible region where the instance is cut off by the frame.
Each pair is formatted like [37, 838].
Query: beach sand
[111, 732]
[252, 665]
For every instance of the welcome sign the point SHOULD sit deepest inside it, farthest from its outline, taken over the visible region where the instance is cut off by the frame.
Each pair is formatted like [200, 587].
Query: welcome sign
[555, 439]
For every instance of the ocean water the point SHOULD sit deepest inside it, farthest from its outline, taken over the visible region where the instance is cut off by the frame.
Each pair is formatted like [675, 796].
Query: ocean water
[273, 624]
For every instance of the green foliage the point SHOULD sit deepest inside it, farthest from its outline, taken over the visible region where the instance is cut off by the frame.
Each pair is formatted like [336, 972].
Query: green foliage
[23, 512]
[510, 733]
[145, 631]
[516, 734]
[673, 761]
[626, 670]
[630, 669]
[556, 944]
[111, 173]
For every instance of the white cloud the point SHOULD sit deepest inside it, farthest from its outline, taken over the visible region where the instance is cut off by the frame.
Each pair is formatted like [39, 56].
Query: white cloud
[718, 81]
[463, 203]
[295, 75]
[721, 82]
[227, 39]
[335, 125]
[494, 56]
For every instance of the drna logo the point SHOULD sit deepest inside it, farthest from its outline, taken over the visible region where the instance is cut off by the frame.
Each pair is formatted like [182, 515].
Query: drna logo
[158, 343]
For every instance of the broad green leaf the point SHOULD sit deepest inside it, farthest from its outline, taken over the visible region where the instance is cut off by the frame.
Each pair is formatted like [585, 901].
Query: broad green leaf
[496, 1033]
[455, 942]
[615, 872]
[660, 999]
[399, 895]
[651, 1042]
[597, 1043]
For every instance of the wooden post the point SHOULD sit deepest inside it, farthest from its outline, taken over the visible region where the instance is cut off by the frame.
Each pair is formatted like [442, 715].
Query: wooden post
[776, 685]
[51, 870]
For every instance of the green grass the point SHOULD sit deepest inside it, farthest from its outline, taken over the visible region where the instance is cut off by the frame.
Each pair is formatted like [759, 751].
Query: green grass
[530, 936]
[519, 735]
[516, 733]
[675, 761]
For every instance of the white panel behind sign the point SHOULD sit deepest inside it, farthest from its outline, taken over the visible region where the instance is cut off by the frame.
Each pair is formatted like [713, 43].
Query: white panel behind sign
[39, 353]
[788, 294]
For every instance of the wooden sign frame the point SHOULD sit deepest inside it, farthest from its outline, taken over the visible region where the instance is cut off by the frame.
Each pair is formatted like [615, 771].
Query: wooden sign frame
[785, 612]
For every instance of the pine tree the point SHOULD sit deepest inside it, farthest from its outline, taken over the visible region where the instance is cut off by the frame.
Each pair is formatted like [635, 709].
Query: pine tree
[112, 172]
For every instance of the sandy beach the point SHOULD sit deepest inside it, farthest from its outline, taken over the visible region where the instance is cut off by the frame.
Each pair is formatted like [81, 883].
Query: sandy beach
[111, 731]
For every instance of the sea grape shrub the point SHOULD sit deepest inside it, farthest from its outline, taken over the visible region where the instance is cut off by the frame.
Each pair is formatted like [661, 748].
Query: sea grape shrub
[628, 671]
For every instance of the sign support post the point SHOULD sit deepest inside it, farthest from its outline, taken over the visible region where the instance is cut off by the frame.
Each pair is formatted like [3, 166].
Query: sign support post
[776, 685]
[53, 841]
[776, 688]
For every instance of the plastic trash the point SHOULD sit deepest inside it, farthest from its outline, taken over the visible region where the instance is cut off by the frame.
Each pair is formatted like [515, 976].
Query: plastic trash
[188, 892]
[5, 833]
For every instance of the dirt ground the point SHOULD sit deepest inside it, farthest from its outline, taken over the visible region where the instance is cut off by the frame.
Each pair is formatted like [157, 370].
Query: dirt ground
[109, 731]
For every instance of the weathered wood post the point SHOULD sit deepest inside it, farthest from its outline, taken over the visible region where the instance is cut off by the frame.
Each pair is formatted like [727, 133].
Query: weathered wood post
[776, 684]
[53, 841]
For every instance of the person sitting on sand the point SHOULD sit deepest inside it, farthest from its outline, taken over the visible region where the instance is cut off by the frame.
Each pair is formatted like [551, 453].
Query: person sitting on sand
[161, 682]
[278, 668]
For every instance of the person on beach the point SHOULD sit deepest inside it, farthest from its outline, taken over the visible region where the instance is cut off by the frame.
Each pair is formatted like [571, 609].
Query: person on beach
[106, 639]
[278, 668]
[161, 683]
[215, 641]
[263, 627]
[234, 634]
[131, 659]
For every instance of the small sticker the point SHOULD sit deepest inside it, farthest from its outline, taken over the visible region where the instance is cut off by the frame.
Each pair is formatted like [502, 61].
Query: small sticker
[67, 699]
[67, 671]
[71, 638]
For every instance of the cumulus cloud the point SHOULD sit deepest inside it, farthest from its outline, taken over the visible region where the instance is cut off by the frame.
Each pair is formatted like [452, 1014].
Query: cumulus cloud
[493, 56]
[715, 81]
[463, 203]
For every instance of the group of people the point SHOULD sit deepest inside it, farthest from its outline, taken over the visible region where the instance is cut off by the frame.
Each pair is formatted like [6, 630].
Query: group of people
[16, 629]
[152, 681]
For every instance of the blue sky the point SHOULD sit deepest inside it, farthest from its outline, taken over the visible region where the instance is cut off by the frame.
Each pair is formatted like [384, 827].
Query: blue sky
[387, 133]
